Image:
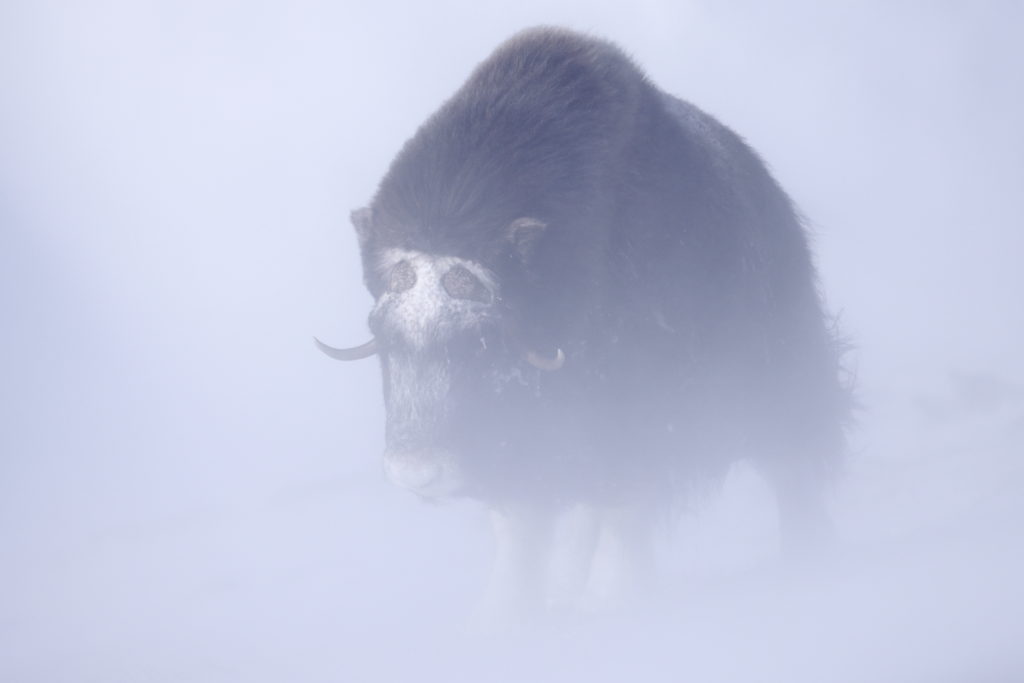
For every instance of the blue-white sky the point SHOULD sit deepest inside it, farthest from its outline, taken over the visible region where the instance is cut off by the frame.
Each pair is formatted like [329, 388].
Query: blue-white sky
[179, 470]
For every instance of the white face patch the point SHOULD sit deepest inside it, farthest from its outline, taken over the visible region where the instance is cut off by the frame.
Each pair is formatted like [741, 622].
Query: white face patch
[426, 310]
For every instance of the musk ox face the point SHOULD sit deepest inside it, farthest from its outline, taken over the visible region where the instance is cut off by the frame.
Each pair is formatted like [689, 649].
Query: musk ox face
[458, 379]
[438, 329]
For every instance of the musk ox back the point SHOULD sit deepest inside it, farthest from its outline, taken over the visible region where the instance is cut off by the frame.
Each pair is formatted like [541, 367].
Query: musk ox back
[590, 295]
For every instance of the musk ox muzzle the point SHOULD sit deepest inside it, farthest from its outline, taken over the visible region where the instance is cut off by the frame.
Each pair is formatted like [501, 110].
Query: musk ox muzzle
[429, 472]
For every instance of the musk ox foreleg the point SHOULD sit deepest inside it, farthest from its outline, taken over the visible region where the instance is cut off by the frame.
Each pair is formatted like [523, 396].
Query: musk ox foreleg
[601, 558]
[571, 560]
[623, 569]
[515, 587]
[580, 559]
[800, 473]
[805, 526]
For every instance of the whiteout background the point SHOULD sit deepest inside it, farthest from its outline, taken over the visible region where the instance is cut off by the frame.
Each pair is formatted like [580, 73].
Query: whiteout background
[189, 492]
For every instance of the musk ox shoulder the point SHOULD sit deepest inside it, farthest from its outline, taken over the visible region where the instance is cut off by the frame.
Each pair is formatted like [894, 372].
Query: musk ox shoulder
[591, 297]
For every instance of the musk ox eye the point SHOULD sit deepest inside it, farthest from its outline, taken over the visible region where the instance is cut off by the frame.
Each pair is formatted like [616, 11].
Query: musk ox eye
[462, 284]
[402, 277]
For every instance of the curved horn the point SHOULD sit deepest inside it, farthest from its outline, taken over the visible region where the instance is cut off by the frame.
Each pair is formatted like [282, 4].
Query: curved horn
[548, 364]
[355, 353]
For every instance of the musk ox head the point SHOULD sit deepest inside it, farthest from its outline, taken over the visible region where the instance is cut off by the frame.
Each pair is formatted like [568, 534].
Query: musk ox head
[458, 374]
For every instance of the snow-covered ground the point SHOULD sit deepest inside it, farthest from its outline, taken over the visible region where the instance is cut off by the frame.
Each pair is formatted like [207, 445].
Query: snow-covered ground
[189, 492]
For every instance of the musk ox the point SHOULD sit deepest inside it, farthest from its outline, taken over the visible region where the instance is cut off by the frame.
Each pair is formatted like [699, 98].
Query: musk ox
[591, 298]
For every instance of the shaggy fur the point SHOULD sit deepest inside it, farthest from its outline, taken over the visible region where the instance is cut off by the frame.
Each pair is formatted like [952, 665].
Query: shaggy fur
[634, 232]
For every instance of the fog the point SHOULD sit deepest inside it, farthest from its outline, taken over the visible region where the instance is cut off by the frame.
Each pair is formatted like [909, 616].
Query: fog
[190, 492]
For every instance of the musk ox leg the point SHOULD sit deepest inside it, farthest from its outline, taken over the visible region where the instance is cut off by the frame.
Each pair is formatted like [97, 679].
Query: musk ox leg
[515, 588]
[622, 573]
[574, 541]
[805, 526]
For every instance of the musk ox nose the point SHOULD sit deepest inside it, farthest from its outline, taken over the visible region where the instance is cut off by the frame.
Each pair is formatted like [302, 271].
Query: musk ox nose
[428, 472]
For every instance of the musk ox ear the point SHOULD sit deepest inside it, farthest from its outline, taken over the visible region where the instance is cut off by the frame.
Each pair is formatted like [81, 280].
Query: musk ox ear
[524, 234]
[362, 219]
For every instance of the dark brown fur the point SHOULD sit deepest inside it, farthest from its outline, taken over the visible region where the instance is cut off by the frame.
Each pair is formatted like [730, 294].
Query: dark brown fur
[663, 259]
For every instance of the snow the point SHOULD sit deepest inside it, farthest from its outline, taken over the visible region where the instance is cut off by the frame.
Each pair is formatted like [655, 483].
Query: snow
[189, 491]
